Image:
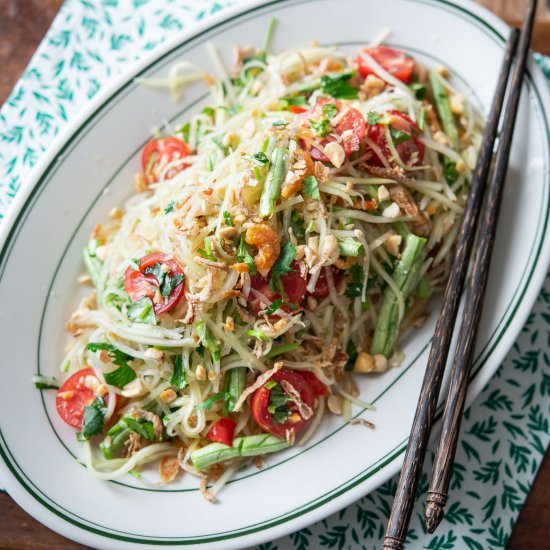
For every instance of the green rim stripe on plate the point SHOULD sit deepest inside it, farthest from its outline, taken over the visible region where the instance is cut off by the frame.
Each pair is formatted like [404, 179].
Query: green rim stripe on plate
[391, 456]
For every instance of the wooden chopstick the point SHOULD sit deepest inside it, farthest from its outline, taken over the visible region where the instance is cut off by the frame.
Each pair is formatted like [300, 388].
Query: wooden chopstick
[416, 449]
[464, 355]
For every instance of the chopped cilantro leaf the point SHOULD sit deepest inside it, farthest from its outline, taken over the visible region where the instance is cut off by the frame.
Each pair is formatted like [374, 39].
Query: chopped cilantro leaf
[243, 255]
[398, 136]
[351, 350]
[117, 357]
[170, 207]
[227, 218]
[121, 376]
[141, 426]
[320, 128]
[338, 86]
[298, 101]
[373, 117]
[142, 311]
[330, 110]
[449, 171]
[156, 271]
[224, 149]
[310, 188]
[279, 123]
[211, 401]
[178, 378]
[208, 340]
[298, 225]
[282, 265]
[94, 415]
[278, 404]
[169, 284]
[259, 158]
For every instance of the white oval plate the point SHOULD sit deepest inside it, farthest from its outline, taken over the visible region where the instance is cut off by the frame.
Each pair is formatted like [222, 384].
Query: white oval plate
[90, 169]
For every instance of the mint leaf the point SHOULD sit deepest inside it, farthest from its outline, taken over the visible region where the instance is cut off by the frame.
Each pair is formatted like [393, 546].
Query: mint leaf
[338, 86]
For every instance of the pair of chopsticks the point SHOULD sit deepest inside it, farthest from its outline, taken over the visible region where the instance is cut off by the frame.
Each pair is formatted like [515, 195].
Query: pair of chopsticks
[516, 51]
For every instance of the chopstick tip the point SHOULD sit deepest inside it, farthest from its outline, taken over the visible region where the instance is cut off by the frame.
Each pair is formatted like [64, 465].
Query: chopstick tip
[434, 511]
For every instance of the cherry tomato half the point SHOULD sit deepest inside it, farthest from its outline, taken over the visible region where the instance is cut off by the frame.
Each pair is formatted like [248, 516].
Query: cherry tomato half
[165, 151]
[321, 288]
[296, 109]
[74, 395]
[294, 286]
[139, 284]
[397, 63]
[410, 151]
[316, 385]
[260, 404]
[352, 119]
[222, 431]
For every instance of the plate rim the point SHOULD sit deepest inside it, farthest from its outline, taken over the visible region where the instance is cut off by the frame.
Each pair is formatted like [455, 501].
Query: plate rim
[48, 160]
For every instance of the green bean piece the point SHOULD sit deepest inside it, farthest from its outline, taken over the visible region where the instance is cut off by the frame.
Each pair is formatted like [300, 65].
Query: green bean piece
[273, 183]
[443, 105]
[118, 435]
[252, 445]
[235, 385]
[405, 277]
[424, 288]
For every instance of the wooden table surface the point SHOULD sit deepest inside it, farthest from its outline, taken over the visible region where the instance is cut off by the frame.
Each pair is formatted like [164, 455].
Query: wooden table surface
[22, 26]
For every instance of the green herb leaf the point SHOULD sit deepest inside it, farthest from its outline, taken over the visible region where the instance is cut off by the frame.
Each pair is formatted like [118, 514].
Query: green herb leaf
[338, 86]
[170, 207]
[279, 123]
[170, 283]
[41, 383]
[282, 265]
[211, 401]
[419, 90]
[142, 311]
[141, 426]
[398, 136]
[259, 158]
[224, 149]
[121, 376]
[350, 247]
[270, 384]
[320, 127]
[208, 340]
[373, 117]
[92, 421]
[330, 110]
[243, 255]
[156, 271]
[208, 111]
[178, 377]
[297, 101]
[185, 131]
[298, 225]
[351, 350]
[227, 218]
[449, 171]
[117, 357]
[310, 188]
[277, 405]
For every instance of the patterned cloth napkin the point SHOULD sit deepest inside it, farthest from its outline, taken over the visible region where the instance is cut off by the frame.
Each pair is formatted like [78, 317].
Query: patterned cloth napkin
[506, 430]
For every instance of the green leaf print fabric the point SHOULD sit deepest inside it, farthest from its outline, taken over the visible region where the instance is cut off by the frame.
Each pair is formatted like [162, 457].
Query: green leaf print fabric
[506, 430]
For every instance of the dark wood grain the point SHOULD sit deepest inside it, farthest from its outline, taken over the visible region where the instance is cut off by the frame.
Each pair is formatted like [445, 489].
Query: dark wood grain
[467, 337]
[22, 26]
[405, 493]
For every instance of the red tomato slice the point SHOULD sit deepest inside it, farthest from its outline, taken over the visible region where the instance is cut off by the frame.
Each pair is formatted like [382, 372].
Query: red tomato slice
[352, 120]
[222, 431]
[73, 396]
[260, 404]
[294, 285]
[397, 63]
[411, 151]
[316, 385]
[166, 150]
[138, 284]
[296, 110]
[321, 288]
